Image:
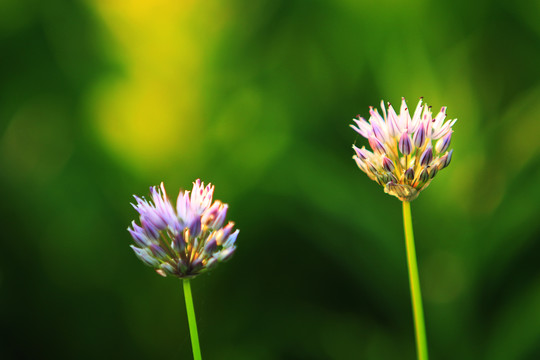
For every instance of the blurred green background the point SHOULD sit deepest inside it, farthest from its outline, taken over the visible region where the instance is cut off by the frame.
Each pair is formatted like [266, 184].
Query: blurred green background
[101, 99]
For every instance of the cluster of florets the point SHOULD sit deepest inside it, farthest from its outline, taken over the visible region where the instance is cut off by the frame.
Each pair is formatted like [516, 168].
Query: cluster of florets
[186, 241]
[403, 158]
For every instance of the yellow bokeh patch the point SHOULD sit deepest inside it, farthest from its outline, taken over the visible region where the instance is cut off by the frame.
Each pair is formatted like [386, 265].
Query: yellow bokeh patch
[150, 115]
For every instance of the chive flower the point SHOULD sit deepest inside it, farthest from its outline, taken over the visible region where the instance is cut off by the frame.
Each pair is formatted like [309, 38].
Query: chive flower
[186, 240]
[406, 152]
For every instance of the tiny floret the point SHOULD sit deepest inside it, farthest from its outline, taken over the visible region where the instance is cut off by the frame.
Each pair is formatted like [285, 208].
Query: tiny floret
[406, 152]
[405, 145]
[186, 240]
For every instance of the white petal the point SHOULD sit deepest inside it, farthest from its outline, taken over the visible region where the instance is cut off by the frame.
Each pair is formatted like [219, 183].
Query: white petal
[416, 117]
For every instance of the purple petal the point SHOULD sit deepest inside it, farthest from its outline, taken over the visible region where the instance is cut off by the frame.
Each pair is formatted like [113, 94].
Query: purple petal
[388, 164]
[405, 144]
[443, 143]
[420, 136]
[427, 156]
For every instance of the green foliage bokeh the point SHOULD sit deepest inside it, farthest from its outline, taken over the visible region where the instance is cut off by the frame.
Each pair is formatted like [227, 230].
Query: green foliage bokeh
[320, 271]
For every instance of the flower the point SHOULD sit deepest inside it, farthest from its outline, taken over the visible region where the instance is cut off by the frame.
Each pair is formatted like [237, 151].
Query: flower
[403, 158]
[184, 241]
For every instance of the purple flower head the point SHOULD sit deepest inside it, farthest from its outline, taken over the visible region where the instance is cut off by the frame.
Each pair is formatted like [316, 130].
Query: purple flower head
[186, 240]
[407, 151]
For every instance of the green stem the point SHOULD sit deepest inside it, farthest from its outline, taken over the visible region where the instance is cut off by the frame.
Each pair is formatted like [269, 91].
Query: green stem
[416, 296]
[192, 321]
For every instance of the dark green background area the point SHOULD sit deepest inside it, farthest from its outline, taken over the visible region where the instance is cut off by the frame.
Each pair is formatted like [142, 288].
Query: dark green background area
[320, 270]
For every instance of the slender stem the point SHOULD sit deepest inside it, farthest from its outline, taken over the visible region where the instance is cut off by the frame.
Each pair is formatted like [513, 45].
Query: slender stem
[414, 282]
[192, 321]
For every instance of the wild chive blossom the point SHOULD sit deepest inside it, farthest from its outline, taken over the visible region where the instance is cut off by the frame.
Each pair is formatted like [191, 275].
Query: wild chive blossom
[407, 152]
[184, 241]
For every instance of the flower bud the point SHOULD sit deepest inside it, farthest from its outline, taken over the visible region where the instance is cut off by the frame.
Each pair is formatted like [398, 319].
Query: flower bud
[444, 161]
[371, 167]
[167, 268]
[443, 143]
[361, 164]
[424, 176]
[419, 137]
[145, 256]
[448, 158]
[150, 229]
[139, 236]
[225, 254]
[405, 145]
[158, 251]
[388, 177]
[215, 215]
[409, 174]
[427, 156]
[381, 179]
[195, 227]
[376, 145]
[433, 171]
[388, 164]
[232, 239]
[223, 234]
[362, 153]
[210, 246]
